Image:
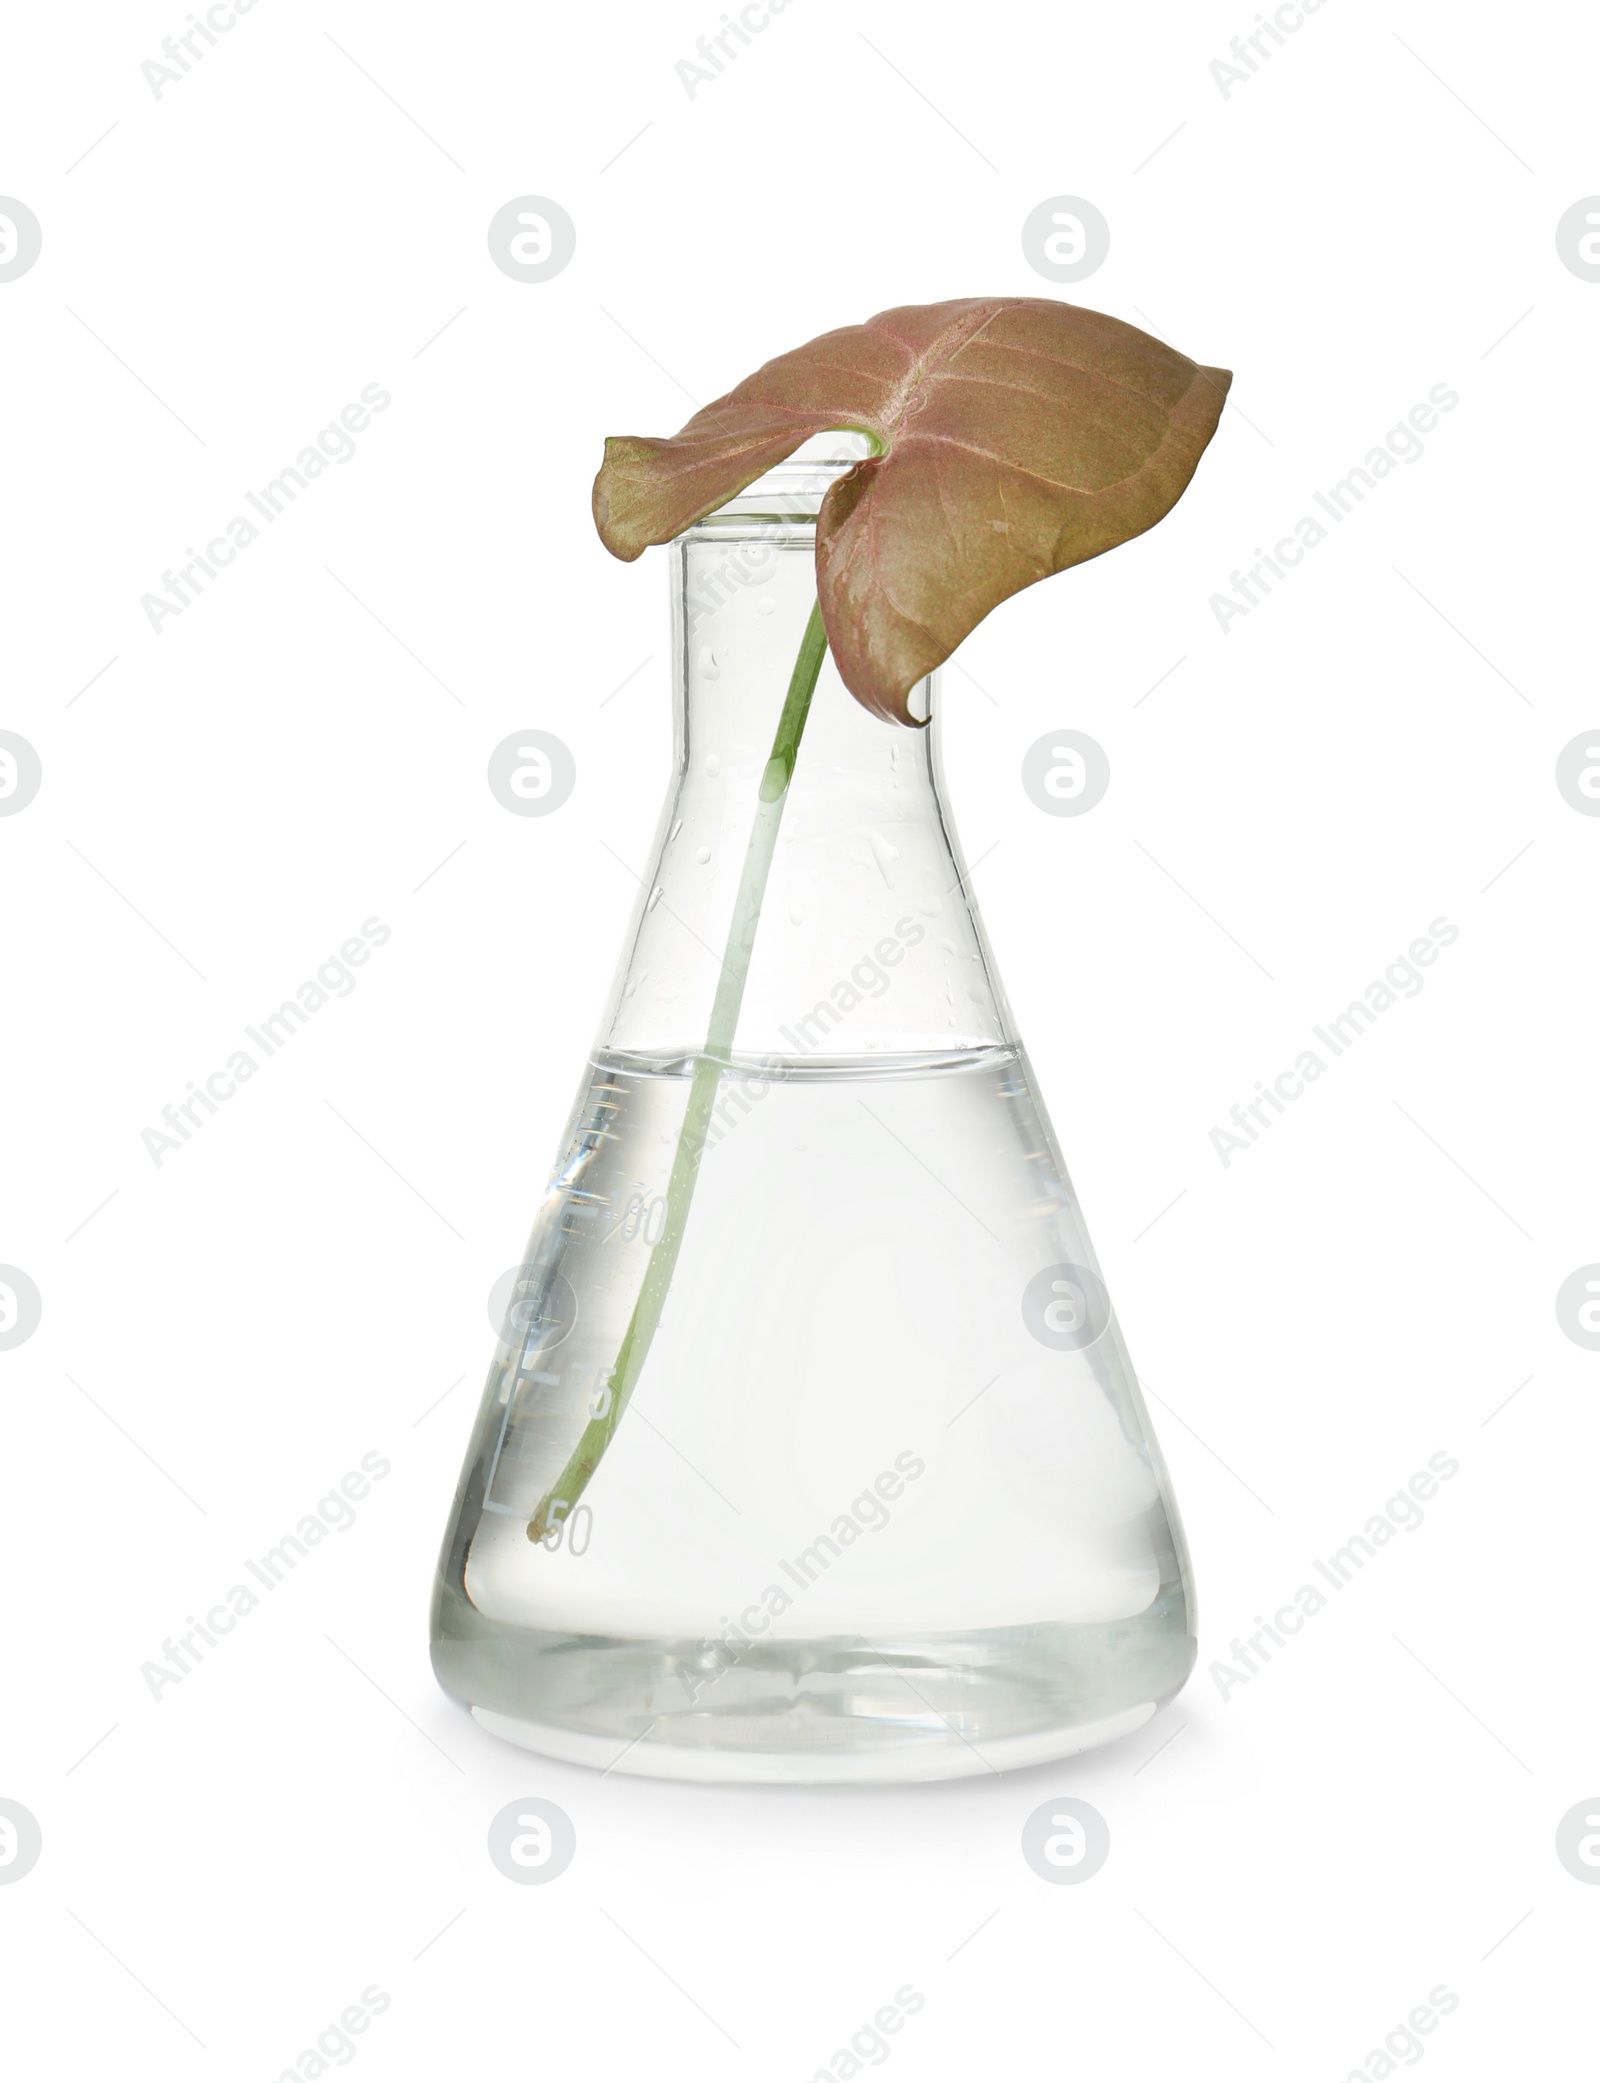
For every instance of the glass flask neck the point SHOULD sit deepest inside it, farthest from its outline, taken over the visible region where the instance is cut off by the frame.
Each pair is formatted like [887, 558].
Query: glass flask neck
[868, 942]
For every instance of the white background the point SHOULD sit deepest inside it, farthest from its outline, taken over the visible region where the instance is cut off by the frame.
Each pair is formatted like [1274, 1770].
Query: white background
[1294, 1866]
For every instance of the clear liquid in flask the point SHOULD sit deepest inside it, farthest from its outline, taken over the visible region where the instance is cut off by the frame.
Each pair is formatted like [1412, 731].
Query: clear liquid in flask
[873, 1511]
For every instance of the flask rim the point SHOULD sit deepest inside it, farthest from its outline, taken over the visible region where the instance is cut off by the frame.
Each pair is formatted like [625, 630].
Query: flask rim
[794, 489]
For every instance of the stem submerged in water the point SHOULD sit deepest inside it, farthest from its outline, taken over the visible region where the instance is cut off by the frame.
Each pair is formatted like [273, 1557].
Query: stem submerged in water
[569, 1486]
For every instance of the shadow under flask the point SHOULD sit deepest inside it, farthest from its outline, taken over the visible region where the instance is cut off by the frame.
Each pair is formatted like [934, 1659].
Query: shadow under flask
[811, 1449]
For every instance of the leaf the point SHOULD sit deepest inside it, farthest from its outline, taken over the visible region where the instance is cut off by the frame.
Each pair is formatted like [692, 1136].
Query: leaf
[1016, 436]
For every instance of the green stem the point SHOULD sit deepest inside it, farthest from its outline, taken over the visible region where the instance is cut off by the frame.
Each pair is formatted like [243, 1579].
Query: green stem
[570, 1485]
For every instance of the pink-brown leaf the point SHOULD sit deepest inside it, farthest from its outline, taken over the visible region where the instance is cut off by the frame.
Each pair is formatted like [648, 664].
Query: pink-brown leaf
[1016, 436]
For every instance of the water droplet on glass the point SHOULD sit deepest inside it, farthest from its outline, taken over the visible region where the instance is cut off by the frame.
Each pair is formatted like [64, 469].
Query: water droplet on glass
[766, 605]
[676, 829]
[797, 915]
[713, 767]
[702, 854]
[709, 664]
[655, 897]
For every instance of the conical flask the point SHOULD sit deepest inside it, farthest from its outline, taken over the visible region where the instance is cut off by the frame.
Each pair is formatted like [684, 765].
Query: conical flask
[811, 1449]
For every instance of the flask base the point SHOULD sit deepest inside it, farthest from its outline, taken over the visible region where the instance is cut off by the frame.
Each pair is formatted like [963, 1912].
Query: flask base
[812, 1767]
[833, 1711]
